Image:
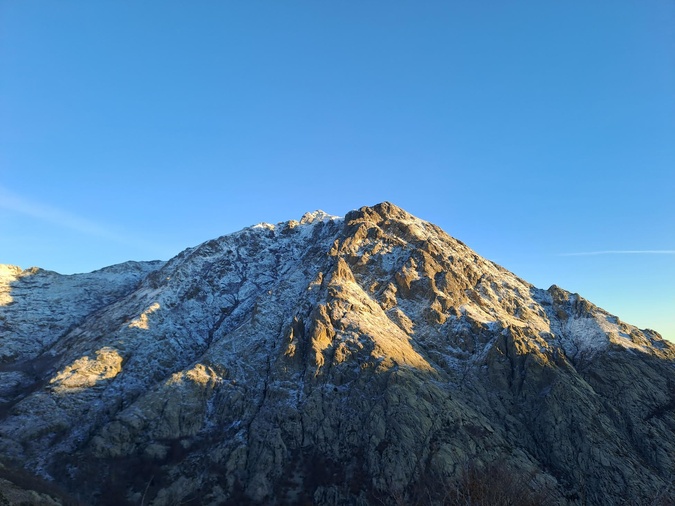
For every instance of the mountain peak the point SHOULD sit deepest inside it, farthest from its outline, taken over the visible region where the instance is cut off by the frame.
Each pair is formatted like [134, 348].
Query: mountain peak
[318, 215]
[378, 212]
[329, 361]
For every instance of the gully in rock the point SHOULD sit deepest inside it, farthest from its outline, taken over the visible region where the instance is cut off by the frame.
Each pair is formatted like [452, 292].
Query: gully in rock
[370, 359]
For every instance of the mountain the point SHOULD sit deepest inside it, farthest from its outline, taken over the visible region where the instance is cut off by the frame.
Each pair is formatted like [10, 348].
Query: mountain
[370, 359]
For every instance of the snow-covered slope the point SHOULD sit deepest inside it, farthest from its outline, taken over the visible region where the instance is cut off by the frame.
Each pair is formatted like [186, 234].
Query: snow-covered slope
[38, 306]
[330, 360]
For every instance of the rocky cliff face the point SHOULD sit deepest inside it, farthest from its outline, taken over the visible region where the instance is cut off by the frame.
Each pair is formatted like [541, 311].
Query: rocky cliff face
[367, 360]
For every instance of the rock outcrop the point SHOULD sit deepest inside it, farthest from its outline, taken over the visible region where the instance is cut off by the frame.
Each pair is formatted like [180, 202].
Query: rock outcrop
[366, 360]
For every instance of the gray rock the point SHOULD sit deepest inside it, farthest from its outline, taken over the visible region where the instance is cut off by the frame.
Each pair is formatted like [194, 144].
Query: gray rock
[367, 360]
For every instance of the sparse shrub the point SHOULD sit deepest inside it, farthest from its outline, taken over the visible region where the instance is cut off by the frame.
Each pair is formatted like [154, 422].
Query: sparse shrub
[497, 484]
[665, 496]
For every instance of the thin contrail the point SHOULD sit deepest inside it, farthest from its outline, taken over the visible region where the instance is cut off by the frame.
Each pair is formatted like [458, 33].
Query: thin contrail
[18, 204]
[622, 252]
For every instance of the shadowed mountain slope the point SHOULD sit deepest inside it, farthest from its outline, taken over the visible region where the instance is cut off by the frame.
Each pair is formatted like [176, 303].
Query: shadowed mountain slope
[368, 359]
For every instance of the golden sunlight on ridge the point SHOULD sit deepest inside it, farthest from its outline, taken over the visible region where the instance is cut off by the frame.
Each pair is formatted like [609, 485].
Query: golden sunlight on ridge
[142, 321]
[86, 372]
[8, 274]
[200, 374]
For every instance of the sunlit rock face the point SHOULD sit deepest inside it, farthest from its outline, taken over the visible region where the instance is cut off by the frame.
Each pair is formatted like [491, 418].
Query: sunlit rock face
[370, 359]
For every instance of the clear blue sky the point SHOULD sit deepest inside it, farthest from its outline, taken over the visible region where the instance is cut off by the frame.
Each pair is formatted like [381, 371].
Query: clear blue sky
[527, 129]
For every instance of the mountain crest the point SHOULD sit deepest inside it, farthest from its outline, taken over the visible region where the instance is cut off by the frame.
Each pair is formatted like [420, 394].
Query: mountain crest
[370, 359]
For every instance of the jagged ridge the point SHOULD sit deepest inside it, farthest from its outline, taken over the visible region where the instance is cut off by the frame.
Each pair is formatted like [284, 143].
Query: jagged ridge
[334, 361]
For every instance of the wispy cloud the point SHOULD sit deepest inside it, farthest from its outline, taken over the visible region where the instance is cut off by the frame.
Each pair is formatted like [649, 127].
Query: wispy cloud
[622, 252]
[59, 217]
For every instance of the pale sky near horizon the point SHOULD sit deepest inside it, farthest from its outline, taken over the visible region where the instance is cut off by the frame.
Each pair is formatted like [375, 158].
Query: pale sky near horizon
[540, 133]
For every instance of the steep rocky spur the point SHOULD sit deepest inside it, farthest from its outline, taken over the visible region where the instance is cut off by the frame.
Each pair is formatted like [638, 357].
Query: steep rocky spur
[360, 360]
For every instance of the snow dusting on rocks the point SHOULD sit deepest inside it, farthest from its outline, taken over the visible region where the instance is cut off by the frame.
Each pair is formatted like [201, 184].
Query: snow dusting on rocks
[327, 360]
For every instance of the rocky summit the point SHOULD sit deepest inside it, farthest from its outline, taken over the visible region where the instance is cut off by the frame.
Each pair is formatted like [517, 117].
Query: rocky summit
[365, 360]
